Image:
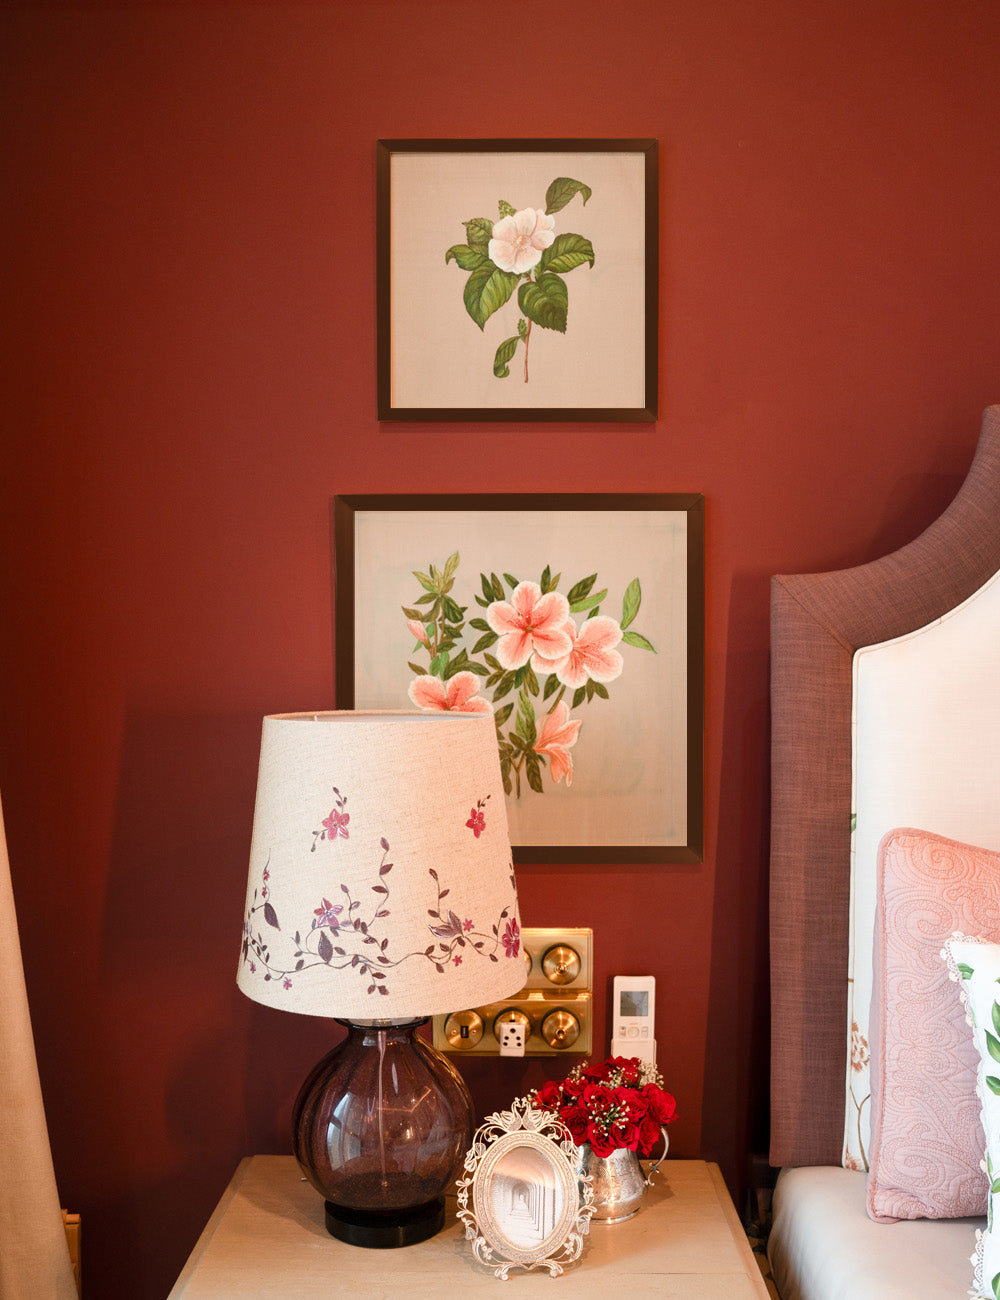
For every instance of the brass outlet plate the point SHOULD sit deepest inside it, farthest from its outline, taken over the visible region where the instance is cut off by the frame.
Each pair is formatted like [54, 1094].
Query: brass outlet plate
[539, 998]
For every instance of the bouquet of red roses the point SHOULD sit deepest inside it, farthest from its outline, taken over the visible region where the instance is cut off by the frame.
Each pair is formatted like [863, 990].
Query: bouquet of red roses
[620, 1103]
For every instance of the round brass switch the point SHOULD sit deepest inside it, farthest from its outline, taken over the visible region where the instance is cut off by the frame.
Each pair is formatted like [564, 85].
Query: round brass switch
[463, 1029]
[560, 1029]
[561, 964]
[511, 1016]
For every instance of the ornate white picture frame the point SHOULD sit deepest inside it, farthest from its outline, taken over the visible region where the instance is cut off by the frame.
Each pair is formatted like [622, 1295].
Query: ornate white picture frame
[530, 1208]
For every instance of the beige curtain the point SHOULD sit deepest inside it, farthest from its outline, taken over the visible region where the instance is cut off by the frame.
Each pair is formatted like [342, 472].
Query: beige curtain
[34, 1256]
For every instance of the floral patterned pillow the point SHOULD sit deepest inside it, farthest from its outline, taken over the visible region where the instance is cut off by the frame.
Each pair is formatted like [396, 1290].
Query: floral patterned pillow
[975, 965]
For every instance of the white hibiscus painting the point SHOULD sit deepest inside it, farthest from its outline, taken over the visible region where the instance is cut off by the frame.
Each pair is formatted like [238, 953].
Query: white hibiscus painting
[522, 250]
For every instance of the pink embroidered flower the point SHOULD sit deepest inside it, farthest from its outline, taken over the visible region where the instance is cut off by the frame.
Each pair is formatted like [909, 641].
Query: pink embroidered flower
[518, 241]
[287, 983]
[457, 695]
[557, 737]
[530, 623]
[467, 926]
[476, 822]
[327, 914]
[511, 938]
[592, 654]
[336, 825]
[418, 630]
[457, 960]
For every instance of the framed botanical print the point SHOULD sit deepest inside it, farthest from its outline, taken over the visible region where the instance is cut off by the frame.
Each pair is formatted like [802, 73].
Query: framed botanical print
[576, 620]
[517, 279]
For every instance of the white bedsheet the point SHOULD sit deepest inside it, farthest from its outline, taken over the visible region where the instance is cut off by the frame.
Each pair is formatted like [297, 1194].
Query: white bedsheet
[823, 1246]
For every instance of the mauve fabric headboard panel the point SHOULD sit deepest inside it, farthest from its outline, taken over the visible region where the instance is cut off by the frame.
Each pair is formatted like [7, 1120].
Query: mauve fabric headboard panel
[818, 621]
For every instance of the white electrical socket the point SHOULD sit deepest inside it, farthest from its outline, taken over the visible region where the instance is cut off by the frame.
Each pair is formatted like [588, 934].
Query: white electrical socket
[512, 1037]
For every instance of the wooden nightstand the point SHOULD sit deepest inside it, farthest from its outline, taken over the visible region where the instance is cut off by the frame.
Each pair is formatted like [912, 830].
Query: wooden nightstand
[267, 1241]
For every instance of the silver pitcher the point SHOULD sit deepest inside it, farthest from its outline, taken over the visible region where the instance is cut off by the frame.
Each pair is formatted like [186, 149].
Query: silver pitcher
[619, 1181]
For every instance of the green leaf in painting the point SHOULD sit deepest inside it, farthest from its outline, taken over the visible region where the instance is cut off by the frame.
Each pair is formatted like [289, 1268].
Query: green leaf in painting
[510, 580]
[533, 772]
[964, 971]
[452, 611]
[587, 602]
[631, 602]
[451, 565]
[636, 639]
[502, 714]
[996, 1016]
[469, 259]
[479, 232]
[551, 686]
[545, 301]
[504, 356]
[486, 290]
[582, 588]
[565, 253]
[993, 1045]
[525, 725]
[579, 695]
[562, 190]
[993, 1083]
[497, 586]
[421, 672]
[484, 642]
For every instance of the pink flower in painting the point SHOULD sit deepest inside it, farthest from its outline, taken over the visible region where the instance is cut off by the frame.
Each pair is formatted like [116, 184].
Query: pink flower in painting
[336, 825]
[511, 938]
[591, 655]
[460, 694]
[418, 630]
[476, 822]
[558, 736]
[518, 241]
[530, 623]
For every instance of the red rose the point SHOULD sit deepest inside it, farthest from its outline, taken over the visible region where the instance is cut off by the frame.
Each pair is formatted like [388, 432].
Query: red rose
[549, 1096]
[627, 1067]
[575, 1119]
[661, 1105]
[598, 1099]
[625, 1134]
[603, 1143]
[649, 1135]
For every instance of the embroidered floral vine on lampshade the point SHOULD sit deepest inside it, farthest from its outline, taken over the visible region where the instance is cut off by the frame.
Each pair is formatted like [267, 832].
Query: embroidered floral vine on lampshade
[380, 881]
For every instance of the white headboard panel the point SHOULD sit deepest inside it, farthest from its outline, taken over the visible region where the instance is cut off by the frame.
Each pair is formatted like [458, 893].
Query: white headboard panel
[926, 729]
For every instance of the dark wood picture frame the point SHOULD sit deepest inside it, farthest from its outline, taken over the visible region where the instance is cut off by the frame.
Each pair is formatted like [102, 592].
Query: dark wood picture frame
[383, 543]
[429, 364]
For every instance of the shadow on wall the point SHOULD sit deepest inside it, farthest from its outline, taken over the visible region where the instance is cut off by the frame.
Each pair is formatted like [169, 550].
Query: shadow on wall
[737, 1044]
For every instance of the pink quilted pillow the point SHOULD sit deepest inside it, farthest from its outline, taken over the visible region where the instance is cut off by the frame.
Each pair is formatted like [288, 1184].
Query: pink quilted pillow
[927, 1138]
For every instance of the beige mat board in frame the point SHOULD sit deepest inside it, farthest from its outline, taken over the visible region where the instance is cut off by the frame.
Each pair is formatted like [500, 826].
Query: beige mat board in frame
[517, 279]
[577, 620]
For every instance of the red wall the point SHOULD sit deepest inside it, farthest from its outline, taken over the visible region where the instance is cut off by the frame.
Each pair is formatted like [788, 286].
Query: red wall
[189, 250]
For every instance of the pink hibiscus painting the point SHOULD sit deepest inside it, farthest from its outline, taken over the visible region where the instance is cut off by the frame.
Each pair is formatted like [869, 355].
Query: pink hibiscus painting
[534, 656]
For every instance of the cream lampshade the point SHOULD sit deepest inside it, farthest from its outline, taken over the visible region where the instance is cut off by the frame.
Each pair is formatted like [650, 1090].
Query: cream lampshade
[380, 892]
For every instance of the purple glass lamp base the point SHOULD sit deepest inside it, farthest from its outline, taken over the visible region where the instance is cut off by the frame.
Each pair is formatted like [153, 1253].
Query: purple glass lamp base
[381, 1127]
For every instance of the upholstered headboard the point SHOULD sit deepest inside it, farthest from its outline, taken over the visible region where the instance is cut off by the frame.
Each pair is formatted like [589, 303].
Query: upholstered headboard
[818, 622]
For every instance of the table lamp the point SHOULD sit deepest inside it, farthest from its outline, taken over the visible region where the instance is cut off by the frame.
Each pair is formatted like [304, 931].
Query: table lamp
[380, 893]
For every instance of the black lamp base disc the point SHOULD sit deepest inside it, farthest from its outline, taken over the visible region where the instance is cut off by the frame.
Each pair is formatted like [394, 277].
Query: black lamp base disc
[385, 1229]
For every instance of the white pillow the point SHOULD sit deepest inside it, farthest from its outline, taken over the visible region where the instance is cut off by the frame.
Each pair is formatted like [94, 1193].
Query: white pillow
[975, 965]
